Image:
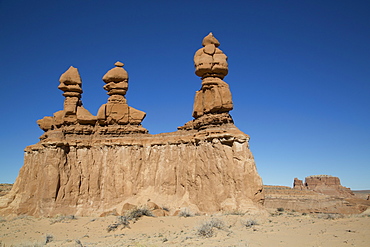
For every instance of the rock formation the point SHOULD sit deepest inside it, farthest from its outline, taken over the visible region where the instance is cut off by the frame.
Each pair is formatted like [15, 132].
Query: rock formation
[309, 201]
[213, 101]
[298, 184]
[74, 118]
[324, 184]
[87, 165]
[116, 115]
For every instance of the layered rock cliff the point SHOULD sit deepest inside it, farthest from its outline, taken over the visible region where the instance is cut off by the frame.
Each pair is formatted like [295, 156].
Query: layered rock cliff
[324, 184]
[88, 165]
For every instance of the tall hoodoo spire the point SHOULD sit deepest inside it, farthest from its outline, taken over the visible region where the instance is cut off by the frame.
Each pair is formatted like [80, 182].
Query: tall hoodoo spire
[116, 117]
[213, 101]
[74, 118]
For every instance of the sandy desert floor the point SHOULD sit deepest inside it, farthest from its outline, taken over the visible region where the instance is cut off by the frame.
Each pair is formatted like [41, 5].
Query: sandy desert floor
[269, 229]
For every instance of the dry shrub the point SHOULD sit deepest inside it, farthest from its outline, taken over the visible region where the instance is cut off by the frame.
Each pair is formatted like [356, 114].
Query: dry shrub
[49, 238]
[131, 215]
[136, 213]
[206, 229]
[63, 219]
[185, 212]
[329, 216]
[249, 223]
[121, 221]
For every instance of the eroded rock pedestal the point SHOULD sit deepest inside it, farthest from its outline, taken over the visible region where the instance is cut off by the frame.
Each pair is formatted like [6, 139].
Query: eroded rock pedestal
[90, 165]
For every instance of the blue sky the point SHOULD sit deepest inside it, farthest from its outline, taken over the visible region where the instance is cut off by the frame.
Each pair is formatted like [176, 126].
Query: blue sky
[299, 72]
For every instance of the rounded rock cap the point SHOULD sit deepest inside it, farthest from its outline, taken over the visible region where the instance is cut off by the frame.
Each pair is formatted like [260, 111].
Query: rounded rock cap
[210, 39]
[71, 77]
[116, 74]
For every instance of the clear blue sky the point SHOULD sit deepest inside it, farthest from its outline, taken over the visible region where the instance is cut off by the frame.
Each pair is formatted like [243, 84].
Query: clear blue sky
[299, 72]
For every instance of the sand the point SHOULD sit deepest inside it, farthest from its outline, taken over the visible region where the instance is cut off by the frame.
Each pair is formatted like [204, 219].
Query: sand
[269, 229]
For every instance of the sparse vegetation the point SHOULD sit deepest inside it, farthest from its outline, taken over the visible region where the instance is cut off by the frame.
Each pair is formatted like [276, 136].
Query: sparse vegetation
[206, 229]
[48, 238]
[280, 209]
[133, 214]
[249, 223]
[123, 221]
[138, 212]
[185, 212]
[63, 219]
[78, 243]
[329, 216]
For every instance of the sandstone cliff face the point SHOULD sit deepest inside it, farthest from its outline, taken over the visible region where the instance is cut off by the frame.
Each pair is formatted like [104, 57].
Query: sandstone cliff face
[203, 171]
[90, 165]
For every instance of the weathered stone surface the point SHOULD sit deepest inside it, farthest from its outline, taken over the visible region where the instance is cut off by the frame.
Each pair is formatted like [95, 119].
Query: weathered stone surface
[103, 165]
[210, 170]
[325, 184]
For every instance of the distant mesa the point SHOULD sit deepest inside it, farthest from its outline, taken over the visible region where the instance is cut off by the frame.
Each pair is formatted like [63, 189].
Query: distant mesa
[318, 194]
[324, 184]
[92, 165]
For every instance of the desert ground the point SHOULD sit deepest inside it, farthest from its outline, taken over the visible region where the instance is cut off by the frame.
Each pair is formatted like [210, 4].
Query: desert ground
[270, 228]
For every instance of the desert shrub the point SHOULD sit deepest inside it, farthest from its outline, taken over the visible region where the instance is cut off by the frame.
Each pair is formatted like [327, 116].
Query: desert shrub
[123, 221]
[206, 229]
[249, 223]
[280, 209]
[136, 213]
[329, 216]
[78, 243]
[63, 219]
[49, 238]
[185, 212]
[133, 214]
[2, 219]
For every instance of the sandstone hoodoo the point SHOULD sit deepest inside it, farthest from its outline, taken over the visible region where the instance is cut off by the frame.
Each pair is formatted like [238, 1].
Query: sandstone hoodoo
[96, 165]
[213, 101]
